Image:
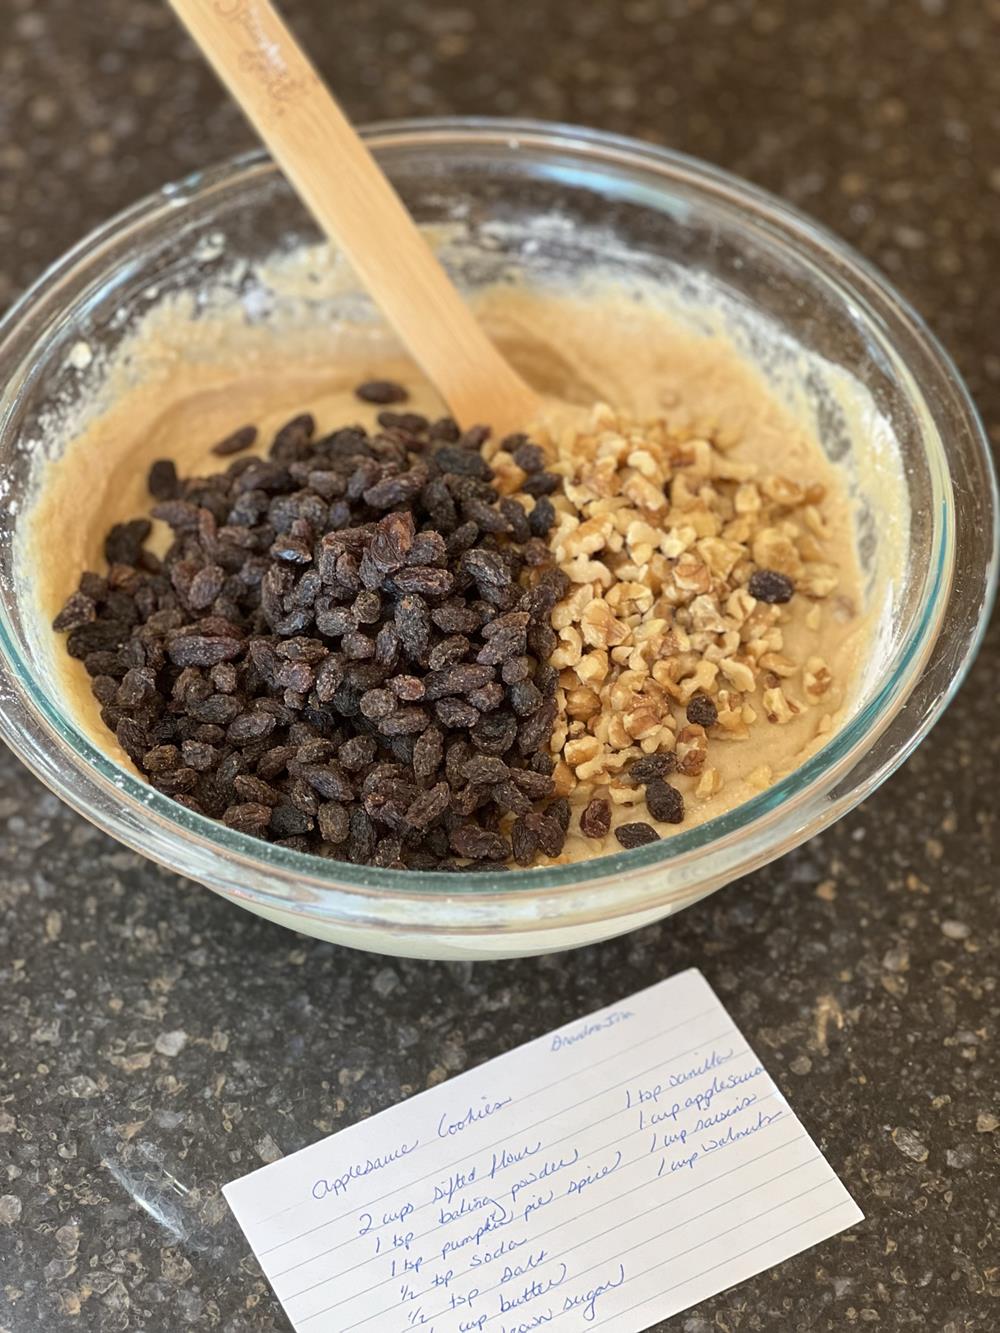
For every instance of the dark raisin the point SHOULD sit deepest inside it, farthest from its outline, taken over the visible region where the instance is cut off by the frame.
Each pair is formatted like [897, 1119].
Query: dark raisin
[357, 752]
[525, 698]
[457, 713]
[104, 688]
[361, 842]
[533, 784]
[486, 769]
[287, 821]
[524, 842]
[293, 439]
[542, 640]
[653, 766]
[495, 733]
[429, 548]
[178, 780]
[541, 483]
[559, 811]
[487, 697]
[254, 789]
[377, 704]
[223, 677]
[203, 649]
[701, 710]
[250, 727]
[381, 392]
[429, 805]
[206, 586]
[329, 675]
[478, 844]
[412, 622]
[459, 679]
[664, 802]
[79, 610]
[161, 759]
[247, 817]
[329, 781]
[767, 585]
[595, 821]
[334, 822]
[408, 688]
[488, 569]
[636, 835]
[132, 737]
[283, 612]
[405, 722]
[542, 517]
[464, 462]
[450, 650]
[236, 442]
[509, 798]
[199, 755]
[529, 457]
[123, 544]
[535, 731]
[549, 831]
[94, 586]
[427, 580]
[357, 645]
[138, 687]
[162, 482]
[428, 753]
[456, 618]
[503, 645]
[445, 429]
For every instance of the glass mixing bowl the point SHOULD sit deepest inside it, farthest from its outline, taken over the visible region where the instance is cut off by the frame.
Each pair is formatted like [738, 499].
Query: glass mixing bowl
[545, 201]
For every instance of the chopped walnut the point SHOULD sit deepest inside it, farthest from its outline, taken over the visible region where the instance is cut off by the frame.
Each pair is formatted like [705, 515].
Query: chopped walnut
[660, 532]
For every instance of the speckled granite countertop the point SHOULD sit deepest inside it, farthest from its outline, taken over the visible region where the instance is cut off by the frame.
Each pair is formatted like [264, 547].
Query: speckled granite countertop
[155, 1042]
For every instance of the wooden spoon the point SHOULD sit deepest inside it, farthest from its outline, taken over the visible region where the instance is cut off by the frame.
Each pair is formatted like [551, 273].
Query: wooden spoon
[336, 176]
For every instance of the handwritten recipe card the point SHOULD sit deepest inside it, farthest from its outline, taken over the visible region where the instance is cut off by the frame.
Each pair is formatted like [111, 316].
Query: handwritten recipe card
[608, 1175]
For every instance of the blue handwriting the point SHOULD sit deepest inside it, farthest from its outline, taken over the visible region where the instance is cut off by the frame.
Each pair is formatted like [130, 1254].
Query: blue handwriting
[660, 1142]
[449, 1128]
[532, 1291]
[679, 1163]
[698, 1101]
[511, 1156]
[733, 1135]
[589, 1299]
[559, 1040]
[358, 1170]
[537, 1320]
[446, 1215]
[497, 1219]
[548, 1168]
[490, 1256]
[511, 1271]
[654, 1093]
[709, 1121]
[539, 1201]
[578, 1185]
[458, 1180]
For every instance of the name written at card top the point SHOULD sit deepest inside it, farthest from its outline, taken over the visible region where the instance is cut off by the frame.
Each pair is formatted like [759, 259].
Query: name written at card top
[607, 1175]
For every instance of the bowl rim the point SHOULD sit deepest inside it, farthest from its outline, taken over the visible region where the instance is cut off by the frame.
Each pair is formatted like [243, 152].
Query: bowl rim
[544, 896]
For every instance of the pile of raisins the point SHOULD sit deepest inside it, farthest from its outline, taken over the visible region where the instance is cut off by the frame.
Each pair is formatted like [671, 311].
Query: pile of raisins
[345, 649]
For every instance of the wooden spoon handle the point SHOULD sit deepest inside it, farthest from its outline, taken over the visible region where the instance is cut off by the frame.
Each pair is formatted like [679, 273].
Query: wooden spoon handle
[336, 176]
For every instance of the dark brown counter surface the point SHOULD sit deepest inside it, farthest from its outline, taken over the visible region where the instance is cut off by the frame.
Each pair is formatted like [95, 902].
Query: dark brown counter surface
[155, 1042]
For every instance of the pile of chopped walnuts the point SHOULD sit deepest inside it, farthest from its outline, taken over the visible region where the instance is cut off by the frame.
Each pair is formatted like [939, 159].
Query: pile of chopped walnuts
[661, 537]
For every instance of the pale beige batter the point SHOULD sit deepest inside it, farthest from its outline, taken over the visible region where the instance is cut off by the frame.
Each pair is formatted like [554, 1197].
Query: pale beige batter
[187, 382]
